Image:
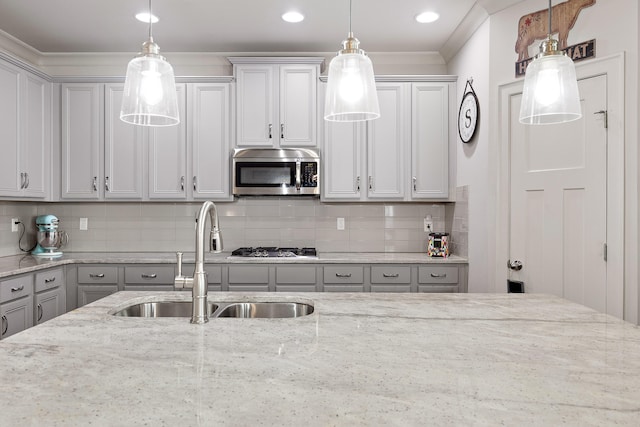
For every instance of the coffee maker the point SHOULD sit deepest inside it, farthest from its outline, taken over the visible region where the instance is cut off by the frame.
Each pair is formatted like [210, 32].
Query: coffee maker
[50, 239]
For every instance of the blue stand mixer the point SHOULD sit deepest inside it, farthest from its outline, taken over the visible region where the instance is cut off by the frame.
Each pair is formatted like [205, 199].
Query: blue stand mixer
[50, 239]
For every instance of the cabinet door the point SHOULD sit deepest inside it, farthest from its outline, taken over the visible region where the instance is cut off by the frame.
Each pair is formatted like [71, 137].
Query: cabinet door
[298, 106]
[168, 156]
[10, 172]
[430, 141]
[255, 106]
[36, 140]
[122, 150]
[209, 140]
[90, 293]
[387, 142]
[82, 144]
[342, 157]
[49, 304]
[16, 315]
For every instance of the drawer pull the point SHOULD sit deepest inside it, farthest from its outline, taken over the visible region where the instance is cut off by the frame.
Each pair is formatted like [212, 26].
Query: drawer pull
[52, 279]
[96, 276]
[343, 275]
[39, 312]
[149, 276]
[18, 289]
[5, 325]
[438, 275]
[390, 275]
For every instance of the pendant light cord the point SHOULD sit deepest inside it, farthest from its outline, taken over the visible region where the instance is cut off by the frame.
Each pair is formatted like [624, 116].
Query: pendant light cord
[151, 20]
[549, 18]
[350, 8]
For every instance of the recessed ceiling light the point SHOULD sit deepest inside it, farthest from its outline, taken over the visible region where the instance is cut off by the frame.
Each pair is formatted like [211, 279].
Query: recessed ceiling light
[427, 17]
[144, 17]
[293, 17]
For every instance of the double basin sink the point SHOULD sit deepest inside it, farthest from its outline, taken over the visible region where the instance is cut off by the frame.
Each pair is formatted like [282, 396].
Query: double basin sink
[253, 310]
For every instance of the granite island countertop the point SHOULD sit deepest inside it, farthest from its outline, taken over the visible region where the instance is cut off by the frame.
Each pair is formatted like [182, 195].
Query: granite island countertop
[359, 359]
[19, 264]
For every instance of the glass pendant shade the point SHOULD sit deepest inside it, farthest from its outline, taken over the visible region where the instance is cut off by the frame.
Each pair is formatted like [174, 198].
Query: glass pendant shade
[351, 89]
[150, 97]
[550, 92]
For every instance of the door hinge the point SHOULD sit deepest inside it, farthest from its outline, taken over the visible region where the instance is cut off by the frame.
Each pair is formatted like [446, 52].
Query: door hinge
[604, 251]
[605, 114]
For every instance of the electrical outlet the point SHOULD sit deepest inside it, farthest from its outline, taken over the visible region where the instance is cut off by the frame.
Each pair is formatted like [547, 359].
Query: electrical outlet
[428, 225]
[84, 224]
[14, 225]
[340, 224]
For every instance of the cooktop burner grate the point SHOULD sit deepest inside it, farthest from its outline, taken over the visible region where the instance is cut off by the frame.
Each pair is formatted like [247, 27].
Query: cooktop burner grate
[274, 252]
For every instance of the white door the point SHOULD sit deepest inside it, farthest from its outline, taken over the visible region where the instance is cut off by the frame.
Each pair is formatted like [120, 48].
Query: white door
[558, 224]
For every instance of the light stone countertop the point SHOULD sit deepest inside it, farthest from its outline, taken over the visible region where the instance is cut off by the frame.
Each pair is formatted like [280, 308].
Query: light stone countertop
[359, 359]
[18, 264]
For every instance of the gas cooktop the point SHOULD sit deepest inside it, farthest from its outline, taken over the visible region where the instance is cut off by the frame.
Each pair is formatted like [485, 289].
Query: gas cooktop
[274, 252]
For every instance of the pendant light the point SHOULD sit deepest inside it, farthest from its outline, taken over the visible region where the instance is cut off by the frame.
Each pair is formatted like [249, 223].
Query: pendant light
[550, 93]
[150, 97]
[351, 87]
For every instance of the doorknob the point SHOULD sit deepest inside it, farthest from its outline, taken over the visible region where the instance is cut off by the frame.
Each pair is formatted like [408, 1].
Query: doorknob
[515, 265]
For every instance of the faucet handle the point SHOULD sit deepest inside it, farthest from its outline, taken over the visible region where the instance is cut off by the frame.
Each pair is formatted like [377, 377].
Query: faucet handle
[179, 262]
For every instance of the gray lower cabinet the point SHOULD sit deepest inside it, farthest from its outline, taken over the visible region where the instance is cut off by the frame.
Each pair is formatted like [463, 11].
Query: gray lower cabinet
[249, 278]
[214, 276]
[16, 305]
[390, 278]
[50, 295]
[441, 278]
[296, 278]
[343, 278]
[95, 282]
[149, 278]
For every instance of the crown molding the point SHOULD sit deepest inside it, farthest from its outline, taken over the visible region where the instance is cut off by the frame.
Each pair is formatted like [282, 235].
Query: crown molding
[470, 23]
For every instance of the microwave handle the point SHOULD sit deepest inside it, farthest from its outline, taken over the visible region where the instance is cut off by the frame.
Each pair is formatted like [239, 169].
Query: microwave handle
[298, 180]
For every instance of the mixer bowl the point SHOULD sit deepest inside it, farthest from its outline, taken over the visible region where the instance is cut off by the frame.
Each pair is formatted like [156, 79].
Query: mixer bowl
[51, 240]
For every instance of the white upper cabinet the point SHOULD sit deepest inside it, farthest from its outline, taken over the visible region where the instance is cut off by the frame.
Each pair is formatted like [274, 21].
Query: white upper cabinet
[82, 141]
[401, 156]
[25, 131]
[209, 139]
[429, 141]
[276, 101]
[168, 156]
[367, 160]
[123, 147]
[387, 143]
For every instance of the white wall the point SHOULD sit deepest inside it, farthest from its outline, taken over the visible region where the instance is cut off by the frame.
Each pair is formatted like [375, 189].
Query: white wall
[472, 158]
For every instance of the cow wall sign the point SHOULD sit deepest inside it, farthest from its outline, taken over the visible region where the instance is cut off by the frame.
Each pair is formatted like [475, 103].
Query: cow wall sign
[534, 27]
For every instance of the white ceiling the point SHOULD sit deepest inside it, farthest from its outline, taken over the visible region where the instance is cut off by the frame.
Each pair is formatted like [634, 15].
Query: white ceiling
[234, 25]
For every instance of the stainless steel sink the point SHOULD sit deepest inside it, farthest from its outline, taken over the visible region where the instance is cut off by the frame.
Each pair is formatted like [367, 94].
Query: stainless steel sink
[253, 310]
[264, 310]
[161, 309]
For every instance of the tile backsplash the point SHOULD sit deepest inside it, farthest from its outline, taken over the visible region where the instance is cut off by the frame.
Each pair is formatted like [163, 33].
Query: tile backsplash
[268, 221]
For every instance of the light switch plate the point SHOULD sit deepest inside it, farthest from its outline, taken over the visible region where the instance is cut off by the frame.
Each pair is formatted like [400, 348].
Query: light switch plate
[340, 223]
[84, 224]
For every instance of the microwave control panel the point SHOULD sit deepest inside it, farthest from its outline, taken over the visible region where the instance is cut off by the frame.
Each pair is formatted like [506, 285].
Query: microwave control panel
[309, 174]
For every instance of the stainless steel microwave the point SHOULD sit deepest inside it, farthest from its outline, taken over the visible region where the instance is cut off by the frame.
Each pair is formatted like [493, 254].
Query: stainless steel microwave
[276, 171]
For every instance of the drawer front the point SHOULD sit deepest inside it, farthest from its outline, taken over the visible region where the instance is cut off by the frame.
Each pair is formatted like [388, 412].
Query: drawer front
[98, 275]
[295, 288]
[296, 275]
[343, 274]
[438, 274]
[49, 279]
[15, 288]
[214, 272]
[257, 274]
[248, 288]
[390, 274]
[152, 275]
[391, 288]
[343, 288]
[438, 288]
